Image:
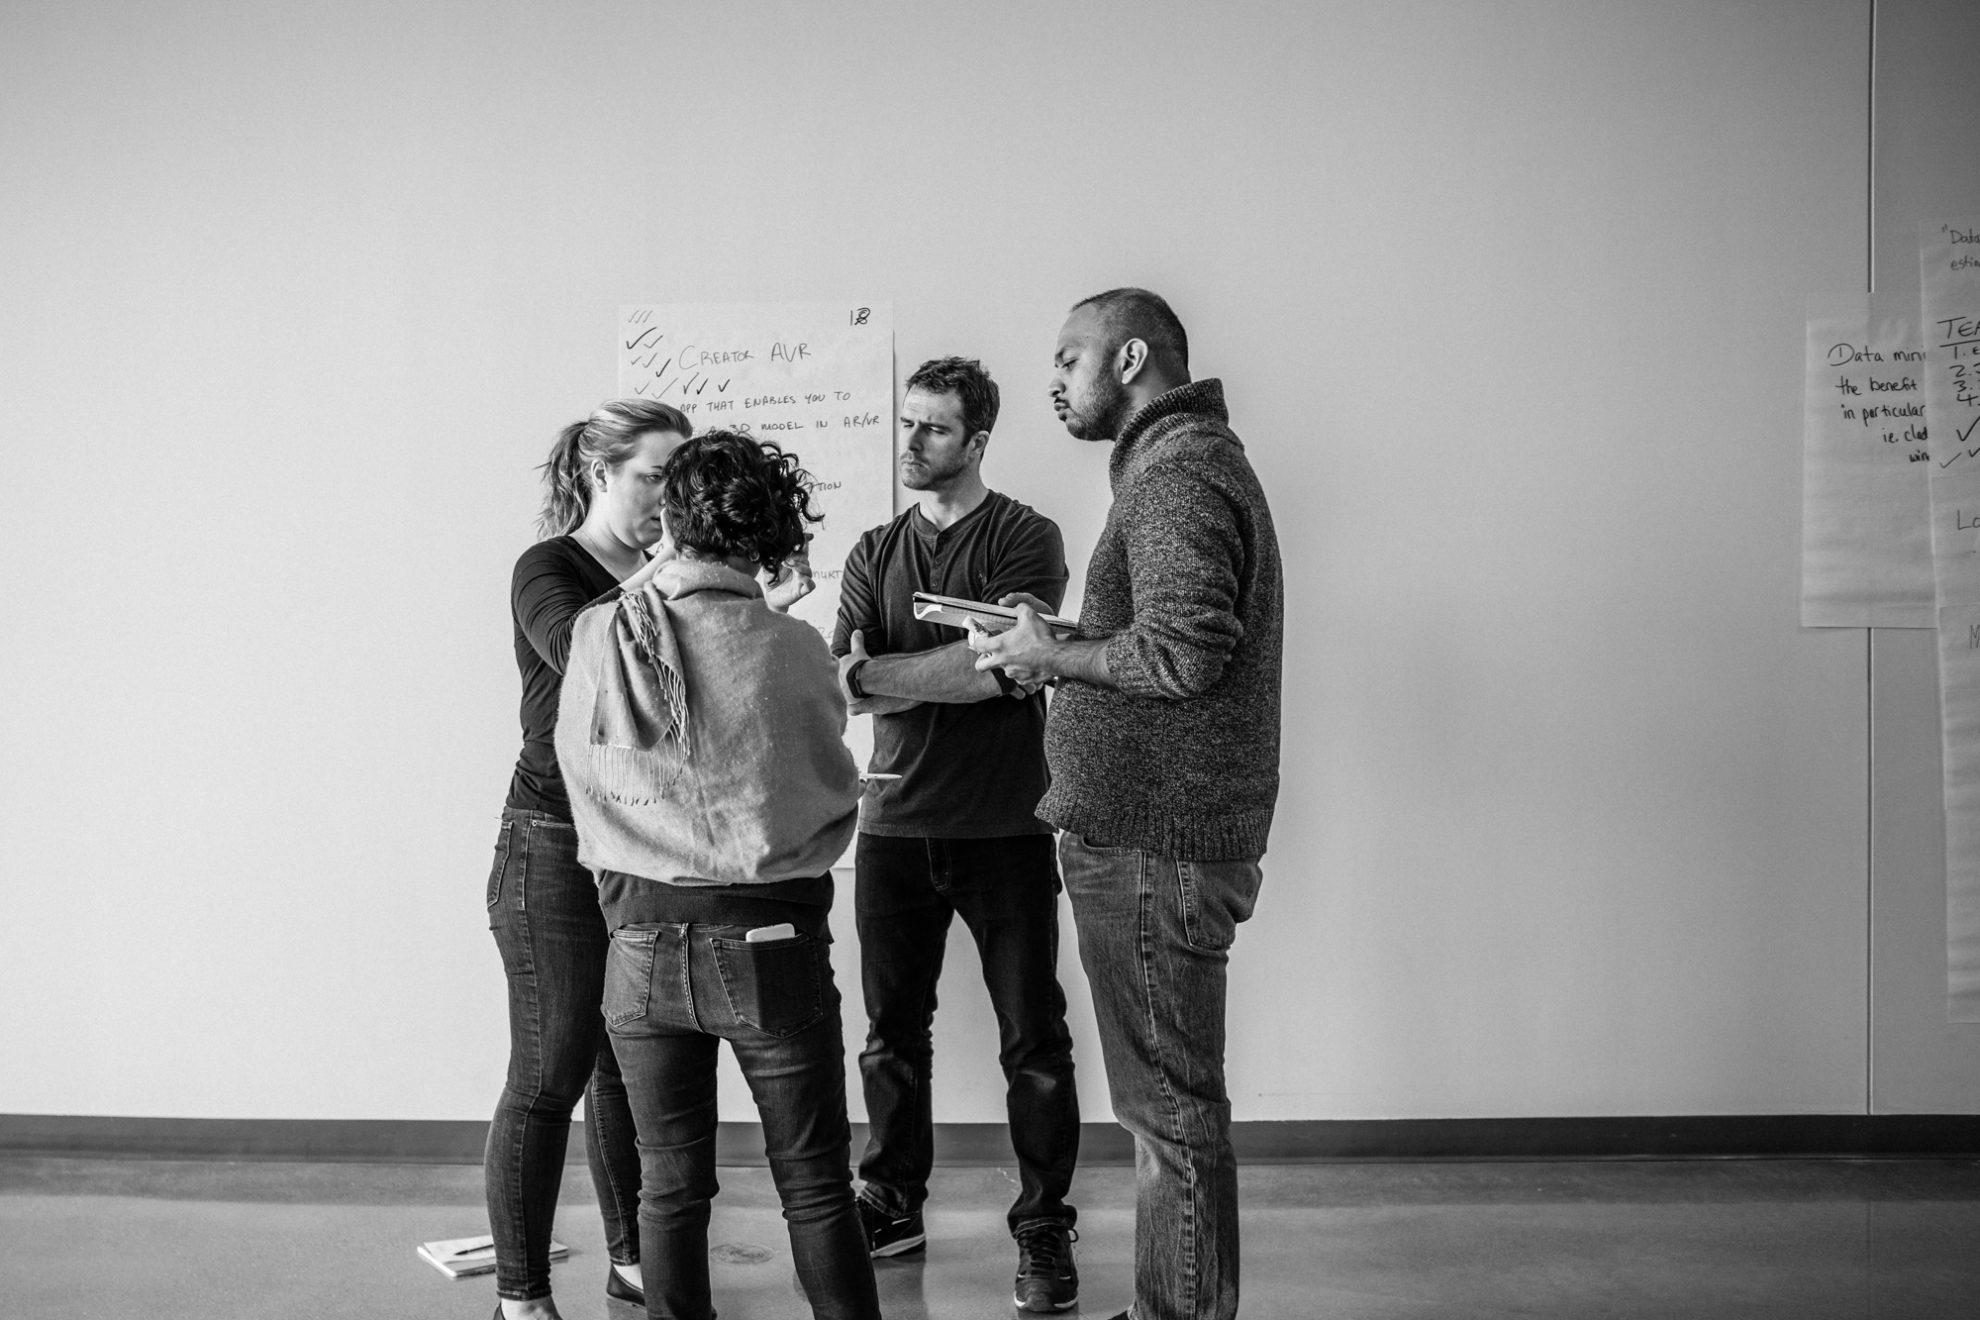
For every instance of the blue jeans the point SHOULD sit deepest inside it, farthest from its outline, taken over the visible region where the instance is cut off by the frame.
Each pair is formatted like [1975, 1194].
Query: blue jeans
[1154, 936]
[1007, 892]
[673, 992]
[543, 909]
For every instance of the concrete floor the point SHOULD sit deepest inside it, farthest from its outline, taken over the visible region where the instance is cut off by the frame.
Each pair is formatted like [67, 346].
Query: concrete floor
[1684, 1239]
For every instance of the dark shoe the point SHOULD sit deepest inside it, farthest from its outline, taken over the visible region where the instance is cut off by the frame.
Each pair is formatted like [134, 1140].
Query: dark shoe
[887, 1235]
[619, 1290]
[1047, 1279]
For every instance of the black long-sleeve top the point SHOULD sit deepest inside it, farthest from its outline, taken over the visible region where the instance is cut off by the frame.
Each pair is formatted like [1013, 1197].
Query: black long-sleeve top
[554, 581]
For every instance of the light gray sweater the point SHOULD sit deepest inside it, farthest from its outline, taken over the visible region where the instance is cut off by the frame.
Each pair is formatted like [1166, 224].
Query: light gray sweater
[731, 771]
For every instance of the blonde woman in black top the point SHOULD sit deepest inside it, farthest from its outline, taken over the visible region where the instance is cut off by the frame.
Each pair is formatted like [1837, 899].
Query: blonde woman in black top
[600, 513]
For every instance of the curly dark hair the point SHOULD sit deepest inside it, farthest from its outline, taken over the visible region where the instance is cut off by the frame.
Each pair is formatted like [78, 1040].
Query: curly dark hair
[725, 494]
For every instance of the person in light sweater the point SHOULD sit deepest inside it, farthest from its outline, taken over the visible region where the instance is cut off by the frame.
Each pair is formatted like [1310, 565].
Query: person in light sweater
[701, 736]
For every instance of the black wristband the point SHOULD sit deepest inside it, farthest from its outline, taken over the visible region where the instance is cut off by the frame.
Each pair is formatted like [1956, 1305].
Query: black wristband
[852, 679]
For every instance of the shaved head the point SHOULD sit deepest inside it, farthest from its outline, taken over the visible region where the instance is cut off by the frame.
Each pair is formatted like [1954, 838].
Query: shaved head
[1125, 314]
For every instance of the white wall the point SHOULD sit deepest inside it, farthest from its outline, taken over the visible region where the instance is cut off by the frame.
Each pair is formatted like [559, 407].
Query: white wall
[1507, 300]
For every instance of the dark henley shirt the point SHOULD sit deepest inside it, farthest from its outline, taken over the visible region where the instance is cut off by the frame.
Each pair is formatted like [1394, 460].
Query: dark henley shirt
[973, 770]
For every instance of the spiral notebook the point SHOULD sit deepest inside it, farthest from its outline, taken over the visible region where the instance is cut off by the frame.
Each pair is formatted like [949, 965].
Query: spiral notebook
[457, 1258]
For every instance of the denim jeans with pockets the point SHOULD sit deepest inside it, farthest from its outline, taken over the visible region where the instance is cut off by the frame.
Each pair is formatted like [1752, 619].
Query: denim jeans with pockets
[673, 993]
[543, 909]
[1155, 934]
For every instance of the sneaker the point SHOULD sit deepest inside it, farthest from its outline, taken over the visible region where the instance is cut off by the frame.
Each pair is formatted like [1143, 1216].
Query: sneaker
[1047, 1280]
[887, 1235]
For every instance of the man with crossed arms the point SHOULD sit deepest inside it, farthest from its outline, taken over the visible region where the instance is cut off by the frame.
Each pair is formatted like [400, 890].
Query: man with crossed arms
[957, 833]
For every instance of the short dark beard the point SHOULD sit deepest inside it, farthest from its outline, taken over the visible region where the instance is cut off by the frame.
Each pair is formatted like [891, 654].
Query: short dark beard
[936, 476]
[1105, 410]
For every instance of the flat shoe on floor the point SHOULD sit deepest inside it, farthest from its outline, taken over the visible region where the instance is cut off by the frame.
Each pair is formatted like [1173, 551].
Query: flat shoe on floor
[619, 1290]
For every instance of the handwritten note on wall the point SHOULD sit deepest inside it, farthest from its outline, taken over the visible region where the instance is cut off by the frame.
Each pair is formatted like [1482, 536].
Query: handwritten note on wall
[817, 378]
[1866, 551]
[1949, 256]
[1949, 264]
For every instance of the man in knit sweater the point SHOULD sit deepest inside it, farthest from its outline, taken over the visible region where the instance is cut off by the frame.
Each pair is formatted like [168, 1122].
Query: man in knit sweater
[1163, 743]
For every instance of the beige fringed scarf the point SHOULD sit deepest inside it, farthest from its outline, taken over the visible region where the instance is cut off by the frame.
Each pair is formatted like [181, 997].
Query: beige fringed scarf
[770, 792]
[641, 705]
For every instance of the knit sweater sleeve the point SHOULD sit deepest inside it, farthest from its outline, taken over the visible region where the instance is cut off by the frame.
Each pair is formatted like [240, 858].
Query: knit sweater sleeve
[1183, 544]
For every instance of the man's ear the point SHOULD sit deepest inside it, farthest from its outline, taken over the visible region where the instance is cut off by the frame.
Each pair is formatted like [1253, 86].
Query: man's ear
[1130, 361]
[981, 441]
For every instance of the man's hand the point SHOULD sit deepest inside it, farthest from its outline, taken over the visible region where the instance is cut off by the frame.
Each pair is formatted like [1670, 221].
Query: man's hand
[1022, 651]
[868, 705]
[1028, 678]
[1017, 598]
[1029, 682]
[852, 657]
[1030, 655]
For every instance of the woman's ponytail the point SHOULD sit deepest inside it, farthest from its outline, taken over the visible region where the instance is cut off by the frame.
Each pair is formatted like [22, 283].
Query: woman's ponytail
[607, 436]
[567, 491]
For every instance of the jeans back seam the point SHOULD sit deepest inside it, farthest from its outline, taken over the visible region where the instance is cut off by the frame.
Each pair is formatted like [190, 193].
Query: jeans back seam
[1175, 1134]
[595, 1126]
[687, 977]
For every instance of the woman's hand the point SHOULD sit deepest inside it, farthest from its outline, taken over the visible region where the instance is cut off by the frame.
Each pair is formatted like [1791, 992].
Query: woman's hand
[791, 582]
[662, 554]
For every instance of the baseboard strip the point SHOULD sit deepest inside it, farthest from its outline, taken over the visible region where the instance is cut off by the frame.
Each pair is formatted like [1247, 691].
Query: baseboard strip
[1689, 1136]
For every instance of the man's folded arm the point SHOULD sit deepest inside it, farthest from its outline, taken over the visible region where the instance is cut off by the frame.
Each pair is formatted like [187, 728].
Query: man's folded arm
[948, 674]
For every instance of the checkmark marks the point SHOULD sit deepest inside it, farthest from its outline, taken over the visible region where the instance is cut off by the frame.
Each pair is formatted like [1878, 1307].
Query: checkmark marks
[1961, 436]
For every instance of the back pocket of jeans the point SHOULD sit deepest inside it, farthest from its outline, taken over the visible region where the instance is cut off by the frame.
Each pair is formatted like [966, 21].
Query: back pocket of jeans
[774, 986]
[629, 975]
[501, 865]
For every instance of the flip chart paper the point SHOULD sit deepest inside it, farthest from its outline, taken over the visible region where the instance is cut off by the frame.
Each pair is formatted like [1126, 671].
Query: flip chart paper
[1866, 551]
[817, 378]
[1949, 264]
[1950, 260]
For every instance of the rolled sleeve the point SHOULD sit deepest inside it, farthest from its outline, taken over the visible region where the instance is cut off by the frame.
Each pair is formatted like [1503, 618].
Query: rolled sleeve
[859, 608]
[1034, 564]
